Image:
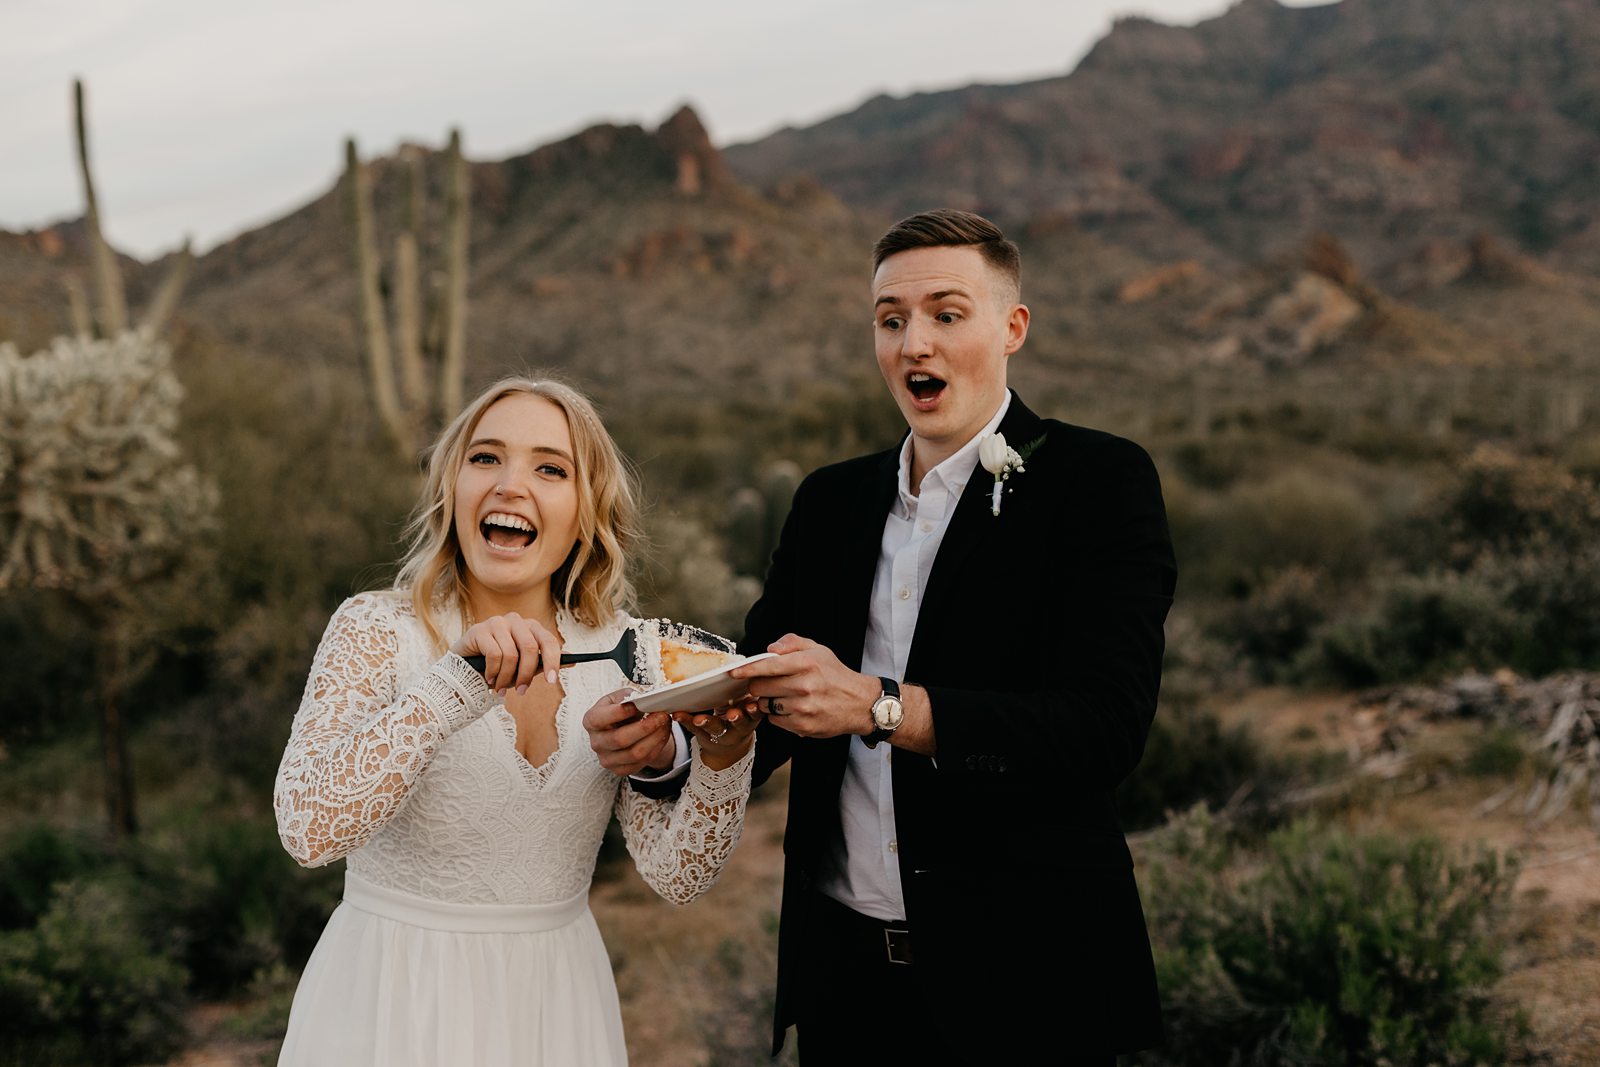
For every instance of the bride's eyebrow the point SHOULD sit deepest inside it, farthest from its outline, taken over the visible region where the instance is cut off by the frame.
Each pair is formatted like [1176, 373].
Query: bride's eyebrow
[538, 450]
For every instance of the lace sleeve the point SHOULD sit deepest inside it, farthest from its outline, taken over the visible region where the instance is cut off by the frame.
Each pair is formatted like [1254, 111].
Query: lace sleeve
[357, 746]
[681, 845]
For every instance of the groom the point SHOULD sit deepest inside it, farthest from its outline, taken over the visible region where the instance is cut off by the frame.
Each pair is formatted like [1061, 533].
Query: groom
[959, 691]
[963, 677]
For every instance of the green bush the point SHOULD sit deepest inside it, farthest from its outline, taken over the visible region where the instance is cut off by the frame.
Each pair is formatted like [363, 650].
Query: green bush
[1502, 504]
[233, 901]
[1555, 598]
[1425, 627]
[80, 977]
[1189, 758]
[1277, 620]
[87, 984]
[1498, 753]
[33, 859]
[1333, 949]
[1230, 543]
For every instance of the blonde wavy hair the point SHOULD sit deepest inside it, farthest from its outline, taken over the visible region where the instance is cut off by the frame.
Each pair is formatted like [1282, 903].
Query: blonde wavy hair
[593, 583]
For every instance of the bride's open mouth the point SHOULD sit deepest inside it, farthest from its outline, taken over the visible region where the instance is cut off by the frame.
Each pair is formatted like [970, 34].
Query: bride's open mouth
[507, 533]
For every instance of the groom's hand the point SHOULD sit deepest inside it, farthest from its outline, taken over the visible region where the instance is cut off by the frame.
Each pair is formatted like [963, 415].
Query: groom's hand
[807, 691]
[626, 741]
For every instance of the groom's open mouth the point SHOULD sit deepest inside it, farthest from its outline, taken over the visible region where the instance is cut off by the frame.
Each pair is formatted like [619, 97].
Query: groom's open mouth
[924, 387]
[509, 533]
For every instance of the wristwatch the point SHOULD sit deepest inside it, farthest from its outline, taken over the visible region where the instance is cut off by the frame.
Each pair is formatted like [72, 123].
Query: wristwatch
[887, 713]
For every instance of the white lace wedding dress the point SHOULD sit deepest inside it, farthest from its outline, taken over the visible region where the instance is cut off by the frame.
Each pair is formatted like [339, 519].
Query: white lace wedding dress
[465, 936]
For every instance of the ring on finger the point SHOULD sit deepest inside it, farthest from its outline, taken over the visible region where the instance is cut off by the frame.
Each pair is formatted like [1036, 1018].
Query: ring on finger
[774, 706]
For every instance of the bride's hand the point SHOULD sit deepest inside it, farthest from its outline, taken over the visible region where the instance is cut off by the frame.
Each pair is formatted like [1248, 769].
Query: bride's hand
[726, 735]
[513, 649]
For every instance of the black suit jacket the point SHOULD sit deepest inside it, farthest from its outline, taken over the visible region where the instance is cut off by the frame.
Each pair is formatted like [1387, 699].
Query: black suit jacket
[1039, 641]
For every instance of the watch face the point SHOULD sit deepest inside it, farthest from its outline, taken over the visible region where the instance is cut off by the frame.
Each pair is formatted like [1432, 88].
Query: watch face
[887, 713]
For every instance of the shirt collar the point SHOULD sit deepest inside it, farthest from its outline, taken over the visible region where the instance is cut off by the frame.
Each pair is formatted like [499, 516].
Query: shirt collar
[957, 466]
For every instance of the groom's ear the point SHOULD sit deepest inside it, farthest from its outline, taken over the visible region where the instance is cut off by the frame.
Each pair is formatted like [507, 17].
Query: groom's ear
[1016, 328]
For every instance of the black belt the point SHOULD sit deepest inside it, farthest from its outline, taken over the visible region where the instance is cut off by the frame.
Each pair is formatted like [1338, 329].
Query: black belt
[895, 933]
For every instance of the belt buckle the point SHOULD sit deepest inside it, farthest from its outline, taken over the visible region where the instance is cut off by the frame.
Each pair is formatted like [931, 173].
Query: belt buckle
[898, 942]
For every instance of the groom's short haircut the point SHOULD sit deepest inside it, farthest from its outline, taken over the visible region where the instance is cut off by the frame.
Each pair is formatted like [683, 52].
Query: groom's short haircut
[946, 226]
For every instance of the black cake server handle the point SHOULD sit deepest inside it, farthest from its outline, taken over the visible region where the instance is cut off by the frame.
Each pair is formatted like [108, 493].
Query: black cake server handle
[622, 655]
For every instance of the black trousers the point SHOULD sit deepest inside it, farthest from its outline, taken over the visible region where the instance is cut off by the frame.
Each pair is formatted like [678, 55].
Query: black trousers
[857, 1005]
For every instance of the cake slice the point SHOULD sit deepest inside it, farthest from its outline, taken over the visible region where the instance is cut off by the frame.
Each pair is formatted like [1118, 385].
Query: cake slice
[680, 660]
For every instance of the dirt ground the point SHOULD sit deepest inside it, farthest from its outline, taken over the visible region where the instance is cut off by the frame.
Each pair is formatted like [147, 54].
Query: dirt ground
[1553, 967]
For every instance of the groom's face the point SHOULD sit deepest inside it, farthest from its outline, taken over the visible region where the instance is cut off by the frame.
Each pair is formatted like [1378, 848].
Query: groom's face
[944, 324]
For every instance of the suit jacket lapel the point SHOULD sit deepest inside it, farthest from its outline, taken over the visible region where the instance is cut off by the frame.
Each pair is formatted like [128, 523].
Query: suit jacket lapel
[973, 523]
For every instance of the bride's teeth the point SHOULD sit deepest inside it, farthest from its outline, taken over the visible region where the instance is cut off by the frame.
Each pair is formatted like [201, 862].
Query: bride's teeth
[510, 522]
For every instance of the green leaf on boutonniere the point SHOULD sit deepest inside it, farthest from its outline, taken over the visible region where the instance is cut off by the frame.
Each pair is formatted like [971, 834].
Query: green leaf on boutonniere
[1027, 450]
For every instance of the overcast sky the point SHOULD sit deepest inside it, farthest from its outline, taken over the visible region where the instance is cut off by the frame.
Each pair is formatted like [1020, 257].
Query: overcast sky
[210, 117]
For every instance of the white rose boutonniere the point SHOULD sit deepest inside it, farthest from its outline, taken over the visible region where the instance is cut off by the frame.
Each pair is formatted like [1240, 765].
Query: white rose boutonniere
[1002, 461]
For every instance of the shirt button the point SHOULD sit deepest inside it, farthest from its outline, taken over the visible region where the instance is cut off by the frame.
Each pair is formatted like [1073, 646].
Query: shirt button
[894, 846]
[926, 527]
[905, 594]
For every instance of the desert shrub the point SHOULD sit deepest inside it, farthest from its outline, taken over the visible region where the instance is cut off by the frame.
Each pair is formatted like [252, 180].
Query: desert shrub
[1499, 504]
[1424, 626]
[1231, 543]
[1196, 663]
[81, 976]
[1537, 613]
[1277, 620]
[1189, 758]
[1554, 596]
[88, 984]
[1326, 949]
[232, 901]
[1216, 461]
[1497, 753]
[34, 858]
[270, 996]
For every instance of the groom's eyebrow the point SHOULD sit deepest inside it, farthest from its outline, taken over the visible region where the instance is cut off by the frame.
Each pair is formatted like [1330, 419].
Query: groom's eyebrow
[937, 295]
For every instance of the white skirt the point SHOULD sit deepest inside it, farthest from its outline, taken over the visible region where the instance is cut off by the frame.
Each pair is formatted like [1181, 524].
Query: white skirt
[402, 981]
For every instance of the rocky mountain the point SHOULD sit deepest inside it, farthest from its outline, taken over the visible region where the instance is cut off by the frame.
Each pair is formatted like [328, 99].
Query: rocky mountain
[1386, 122]
[1386, 183]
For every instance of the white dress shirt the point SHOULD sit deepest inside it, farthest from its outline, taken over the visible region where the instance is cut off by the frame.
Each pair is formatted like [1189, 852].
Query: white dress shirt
[863, 871]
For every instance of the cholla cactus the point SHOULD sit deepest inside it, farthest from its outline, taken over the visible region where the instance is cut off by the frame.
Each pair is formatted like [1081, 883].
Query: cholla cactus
[94, 495]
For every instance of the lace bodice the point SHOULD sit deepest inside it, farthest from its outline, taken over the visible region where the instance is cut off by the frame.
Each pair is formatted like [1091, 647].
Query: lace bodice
[404, 763]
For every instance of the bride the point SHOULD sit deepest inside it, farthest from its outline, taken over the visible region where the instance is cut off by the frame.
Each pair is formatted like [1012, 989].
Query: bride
[468, 806]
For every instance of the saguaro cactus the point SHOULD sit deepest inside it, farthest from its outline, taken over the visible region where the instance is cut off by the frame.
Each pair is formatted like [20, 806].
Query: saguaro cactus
[756, 515]
[112, 316]
[397, 364]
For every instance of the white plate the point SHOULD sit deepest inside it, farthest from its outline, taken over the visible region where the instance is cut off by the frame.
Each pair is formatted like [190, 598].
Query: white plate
[707, 690]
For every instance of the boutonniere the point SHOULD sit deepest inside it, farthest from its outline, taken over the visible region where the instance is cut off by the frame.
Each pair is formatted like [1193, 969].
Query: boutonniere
[1002, 461]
